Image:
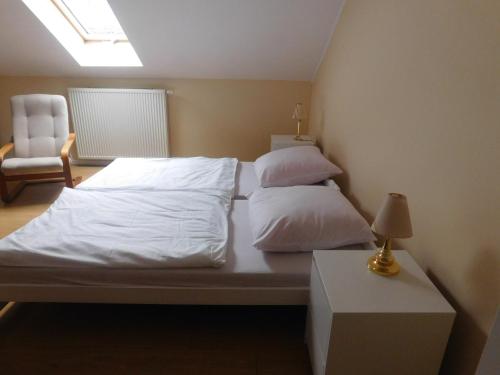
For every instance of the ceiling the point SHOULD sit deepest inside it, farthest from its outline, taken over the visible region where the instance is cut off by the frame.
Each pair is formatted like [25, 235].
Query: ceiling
[231, 39]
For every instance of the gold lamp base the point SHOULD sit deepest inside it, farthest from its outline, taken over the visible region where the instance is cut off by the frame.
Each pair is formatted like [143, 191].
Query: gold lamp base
[298, 137]
[383, 263]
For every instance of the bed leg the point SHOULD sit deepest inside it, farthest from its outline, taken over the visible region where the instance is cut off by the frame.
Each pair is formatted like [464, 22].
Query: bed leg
[5, 310]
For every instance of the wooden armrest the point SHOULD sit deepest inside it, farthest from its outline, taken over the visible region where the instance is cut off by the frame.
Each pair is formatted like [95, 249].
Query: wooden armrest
[67, 145]
[5, 150]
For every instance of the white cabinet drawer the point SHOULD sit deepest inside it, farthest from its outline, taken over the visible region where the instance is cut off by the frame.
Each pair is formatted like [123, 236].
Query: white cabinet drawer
[319, 323]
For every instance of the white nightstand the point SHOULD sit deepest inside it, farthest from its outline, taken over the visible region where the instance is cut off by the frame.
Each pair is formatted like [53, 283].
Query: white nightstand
[284, 141]
[362, 323]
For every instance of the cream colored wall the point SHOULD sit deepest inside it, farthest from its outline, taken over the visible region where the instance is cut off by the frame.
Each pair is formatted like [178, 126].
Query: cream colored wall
[206, 117]
[407, 99]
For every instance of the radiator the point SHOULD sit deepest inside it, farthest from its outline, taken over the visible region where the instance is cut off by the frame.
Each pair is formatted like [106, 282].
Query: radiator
[112, 123]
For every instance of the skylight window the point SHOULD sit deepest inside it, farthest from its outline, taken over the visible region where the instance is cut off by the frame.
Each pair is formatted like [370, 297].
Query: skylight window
[93, 19]
[88, 29]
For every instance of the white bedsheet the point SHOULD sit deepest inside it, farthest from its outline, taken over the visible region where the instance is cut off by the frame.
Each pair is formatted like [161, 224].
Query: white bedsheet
[246, 180]
[161, 174]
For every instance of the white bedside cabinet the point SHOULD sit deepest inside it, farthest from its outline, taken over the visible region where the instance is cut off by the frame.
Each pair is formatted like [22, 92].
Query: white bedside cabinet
[284, 141]
[361, 323]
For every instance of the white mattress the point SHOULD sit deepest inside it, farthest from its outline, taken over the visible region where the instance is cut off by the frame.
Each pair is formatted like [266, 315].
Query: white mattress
[245, 267]
[246, 180]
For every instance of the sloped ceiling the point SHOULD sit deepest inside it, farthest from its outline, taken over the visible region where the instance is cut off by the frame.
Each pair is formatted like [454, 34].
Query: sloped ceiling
[234, 39]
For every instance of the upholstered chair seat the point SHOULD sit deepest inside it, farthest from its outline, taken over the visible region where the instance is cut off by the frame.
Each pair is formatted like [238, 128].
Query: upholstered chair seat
[15, 166]
[41, 142]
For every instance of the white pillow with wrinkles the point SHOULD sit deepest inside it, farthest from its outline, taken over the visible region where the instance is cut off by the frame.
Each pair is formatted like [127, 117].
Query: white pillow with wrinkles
[305, 218]
[300, 165]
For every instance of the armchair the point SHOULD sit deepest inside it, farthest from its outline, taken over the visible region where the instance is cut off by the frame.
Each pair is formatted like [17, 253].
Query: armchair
[41, 143]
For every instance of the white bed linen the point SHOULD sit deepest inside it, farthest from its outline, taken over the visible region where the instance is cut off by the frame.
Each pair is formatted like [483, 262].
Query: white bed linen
[245, 266]
[124, 228]
[134, 213]
[162, 174]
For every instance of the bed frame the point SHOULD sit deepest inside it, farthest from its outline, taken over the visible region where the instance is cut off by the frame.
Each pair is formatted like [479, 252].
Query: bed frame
[156, 295]
[159, 295]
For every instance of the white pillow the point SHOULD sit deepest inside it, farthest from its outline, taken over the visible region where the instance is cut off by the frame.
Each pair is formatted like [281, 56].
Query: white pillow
[301, 165]
[305, 218]
[332, 184]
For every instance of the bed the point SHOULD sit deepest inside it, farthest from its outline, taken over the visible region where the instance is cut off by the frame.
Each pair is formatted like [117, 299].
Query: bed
[249, 276]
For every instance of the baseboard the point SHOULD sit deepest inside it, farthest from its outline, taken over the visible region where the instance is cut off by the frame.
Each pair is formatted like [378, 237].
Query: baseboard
[99, 163]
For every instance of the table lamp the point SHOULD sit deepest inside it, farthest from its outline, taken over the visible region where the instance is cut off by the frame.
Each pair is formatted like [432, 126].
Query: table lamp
[392, 221]
[298, 114]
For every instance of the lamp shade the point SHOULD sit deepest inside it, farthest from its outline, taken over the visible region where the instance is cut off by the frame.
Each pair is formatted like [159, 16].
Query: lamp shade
[298, 112]
[393, 218]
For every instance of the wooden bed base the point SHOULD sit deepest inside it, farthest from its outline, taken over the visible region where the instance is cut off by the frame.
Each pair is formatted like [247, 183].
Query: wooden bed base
[155, 295]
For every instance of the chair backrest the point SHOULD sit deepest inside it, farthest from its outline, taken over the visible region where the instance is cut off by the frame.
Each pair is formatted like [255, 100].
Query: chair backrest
[40, 124]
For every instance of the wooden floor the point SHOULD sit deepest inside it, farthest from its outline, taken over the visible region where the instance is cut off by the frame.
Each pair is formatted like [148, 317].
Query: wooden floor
[147, 339]
[142, 339]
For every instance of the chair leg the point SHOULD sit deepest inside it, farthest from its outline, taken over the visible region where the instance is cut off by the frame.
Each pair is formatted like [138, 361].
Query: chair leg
[67, 173]
[16, 191]
[67, 178]
[4, 193]
[8, 197]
